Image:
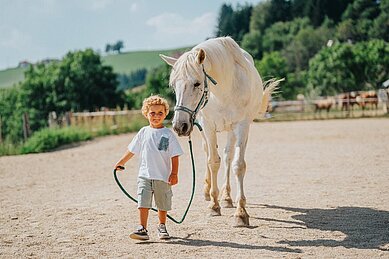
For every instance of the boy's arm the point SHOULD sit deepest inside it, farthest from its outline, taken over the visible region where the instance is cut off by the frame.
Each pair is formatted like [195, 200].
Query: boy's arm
[173, 178]
[127, 156]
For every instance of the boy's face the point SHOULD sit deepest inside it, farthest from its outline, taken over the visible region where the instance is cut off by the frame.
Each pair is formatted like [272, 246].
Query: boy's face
[156, 115]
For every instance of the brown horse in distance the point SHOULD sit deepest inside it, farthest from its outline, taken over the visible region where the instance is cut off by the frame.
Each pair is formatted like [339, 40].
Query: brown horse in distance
[324, 104]
[347, 101]
[369, 98]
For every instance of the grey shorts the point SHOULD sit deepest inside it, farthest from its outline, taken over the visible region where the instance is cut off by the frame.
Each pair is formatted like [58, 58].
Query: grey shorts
[161, 191]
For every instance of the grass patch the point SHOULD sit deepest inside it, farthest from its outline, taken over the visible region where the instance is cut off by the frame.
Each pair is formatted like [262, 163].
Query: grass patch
[9, 149]
[48, 139]
[51, 138]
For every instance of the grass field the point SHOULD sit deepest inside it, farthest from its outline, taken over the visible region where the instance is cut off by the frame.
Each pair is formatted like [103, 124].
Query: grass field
[123, 63]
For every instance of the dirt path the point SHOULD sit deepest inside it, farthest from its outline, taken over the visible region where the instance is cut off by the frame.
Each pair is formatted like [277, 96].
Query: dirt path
[314, 189]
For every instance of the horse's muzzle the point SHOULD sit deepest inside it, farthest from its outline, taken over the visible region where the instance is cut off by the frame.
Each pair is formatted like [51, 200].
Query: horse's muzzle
[182, 128]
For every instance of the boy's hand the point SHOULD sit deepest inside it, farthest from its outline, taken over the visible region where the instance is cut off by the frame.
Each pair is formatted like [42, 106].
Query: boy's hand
[173, 179]
[119, 167]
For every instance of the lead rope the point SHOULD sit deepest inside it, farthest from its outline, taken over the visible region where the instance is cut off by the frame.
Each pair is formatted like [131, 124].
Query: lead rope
[193, 183]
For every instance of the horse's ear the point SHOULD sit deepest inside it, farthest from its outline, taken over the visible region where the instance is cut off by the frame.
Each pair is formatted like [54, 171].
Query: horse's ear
[200, 56]
[169, 60]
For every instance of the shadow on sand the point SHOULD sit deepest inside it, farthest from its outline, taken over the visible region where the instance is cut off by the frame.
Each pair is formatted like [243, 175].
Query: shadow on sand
[365, 228]
[186, 241]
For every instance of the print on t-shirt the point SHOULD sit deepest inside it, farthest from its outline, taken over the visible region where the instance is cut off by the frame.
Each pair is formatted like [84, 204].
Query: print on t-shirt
[163, 144]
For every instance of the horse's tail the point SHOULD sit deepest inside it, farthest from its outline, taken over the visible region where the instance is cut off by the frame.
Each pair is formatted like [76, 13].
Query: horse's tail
[269, 87]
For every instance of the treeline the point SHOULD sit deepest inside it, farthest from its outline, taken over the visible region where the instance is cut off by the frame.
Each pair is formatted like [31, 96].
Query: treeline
[132, 79]
[79, 82]
[321, 47]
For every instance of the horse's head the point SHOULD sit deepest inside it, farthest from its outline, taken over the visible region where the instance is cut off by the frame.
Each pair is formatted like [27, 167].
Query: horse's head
[188, 80]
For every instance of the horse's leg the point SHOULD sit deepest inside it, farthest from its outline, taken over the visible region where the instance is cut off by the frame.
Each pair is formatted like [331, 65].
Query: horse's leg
[207, 180]
[239, 169]
[226, 200]
[213, 163]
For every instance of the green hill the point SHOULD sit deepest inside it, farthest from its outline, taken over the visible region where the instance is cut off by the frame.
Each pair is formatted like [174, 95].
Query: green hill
[123, 63]
[128, 62]
[11, 76]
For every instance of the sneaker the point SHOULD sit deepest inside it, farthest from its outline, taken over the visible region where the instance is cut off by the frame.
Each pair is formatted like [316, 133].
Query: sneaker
[140, 233]
[162, 232]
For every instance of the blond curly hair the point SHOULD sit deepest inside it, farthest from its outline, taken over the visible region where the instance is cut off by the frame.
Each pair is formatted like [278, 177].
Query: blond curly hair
[154, 100]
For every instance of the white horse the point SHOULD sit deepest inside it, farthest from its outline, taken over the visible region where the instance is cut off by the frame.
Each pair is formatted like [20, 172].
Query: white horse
[234, 97]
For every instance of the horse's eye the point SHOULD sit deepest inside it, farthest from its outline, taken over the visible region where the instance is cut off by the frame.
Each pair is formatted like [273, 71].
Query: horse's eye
[197, 84]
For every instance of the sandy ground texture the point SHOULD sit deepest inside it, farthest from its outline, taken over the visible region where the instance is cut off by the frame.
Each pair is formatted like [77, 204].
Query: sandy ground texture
[315, 189]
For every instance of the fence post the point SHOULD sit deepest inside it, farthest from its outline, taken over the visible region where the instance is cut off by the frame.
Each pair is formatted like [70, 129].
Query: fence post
[67, 119]
[52, 119]
[26, 126]
[114, 120]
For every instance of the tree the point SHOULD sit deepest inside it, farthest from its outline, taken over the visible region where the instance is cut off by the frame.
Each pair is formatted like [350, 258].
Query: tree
[252, 43]
[157, 82]
[345, 67]
[225, 26]
[380, 28]
[261, 17]
[241, 21]
[362, 9]
[11, 112]
[372, 63]
[79, 82]
[118, 46]
[108, 48]
[84, 83]
[135, 78]
[318, 10]
[346, 31]
[114, 47]
[234, 23]
[331, 71]
[280, 34]
[305, 45]
[281, 11]
[273, 65]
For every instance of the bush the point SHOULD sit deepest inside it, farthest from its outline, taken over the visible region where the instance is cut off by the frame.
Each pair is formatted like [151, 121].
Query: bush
[48, 139]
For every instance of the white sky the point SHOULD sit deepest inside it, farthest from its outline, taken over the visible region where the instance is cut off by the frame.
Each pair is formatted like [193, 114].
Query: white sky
[33, 30]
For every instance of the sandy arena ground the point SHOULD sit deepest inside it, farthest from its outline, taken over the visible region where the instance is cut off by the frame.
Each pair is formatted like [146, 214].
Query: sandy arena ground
[315, 189]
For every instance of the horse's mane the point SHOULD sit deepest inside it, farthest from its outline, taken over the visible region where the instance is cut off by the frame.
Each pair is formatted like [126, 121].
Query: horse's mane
[223, 50]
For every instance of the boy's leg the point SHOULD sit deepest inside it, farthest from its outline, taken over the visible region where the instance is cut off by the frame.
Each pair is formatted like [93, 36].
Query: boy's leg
[141, 232]
[162, 214]
[143, 216]
[162, 232]
[163, 199]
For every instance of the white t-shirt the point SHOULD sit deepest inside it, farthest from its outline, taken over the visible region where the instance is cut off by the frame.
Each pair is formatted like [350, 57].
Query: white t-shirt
[155, 147]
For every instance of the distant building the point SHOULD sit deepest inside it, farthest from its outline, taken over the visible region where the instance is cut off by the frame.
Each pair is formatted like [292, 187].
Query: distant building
[24, 64]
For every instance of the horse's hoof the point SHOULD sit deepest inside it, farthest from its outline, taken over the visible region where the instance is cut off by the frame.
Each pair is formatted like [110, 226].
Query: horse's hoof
[227, 203]
[207, 197]
[242, 221]
[213, 212]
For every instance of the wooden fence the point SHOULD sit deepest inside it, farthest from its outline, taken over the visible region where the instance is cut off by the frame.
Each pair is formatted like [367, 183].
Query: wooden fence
[330, 108]
[104, 120]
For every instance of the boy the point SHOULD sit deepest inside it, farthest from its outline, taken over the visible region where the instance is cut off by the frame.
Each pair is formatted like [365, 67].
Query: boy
[159, 150]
